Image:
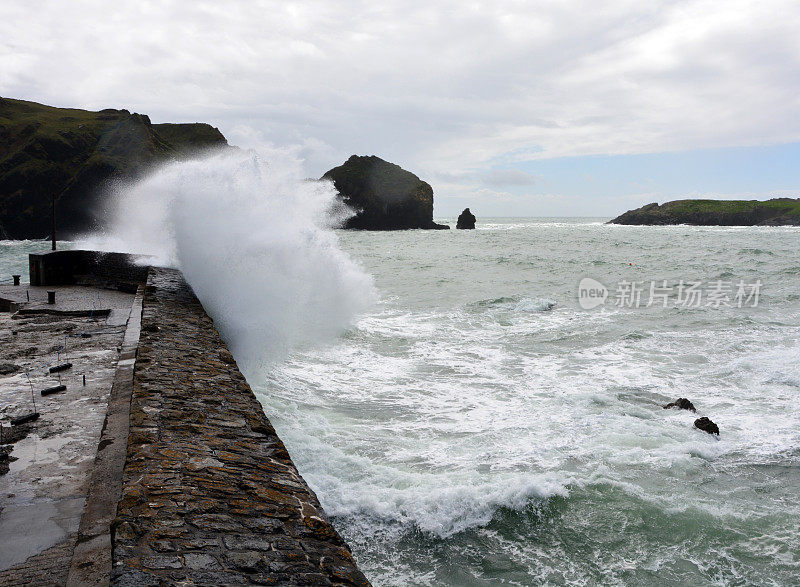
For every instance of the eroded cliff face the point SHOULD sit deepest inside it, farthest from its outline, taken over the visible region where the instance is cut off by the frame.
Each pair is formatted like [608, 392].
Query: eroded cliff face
[384, 195]
[775, 212]
[70, 154]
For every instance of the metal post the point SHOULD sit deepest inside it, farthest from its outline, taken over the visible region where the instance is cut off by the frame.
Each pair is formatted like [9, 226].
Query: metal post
[53, 231]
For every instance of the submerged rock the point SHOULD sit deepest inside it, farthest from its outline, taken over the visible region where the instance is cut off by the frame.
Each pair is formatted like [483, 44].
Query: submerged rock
[384, 195]
[706, 425]
[466, 220]
[681, 403]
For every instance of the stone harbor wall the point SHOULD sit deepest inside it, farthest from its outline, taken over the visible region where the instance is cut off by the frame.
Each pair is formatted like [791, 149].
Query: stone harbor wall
[209, 493]
[156, 463]
[75, 267]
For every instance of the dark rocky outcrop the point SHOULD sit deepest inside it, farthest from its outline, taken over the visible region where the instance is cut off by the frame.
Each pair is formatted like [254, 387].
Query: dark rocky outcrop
[5, 459]
[384, 195]
[466, 220]
[12, 434]
[706, 425]
[775, 212]
[70, 154]
[189, 138]
[681, 403]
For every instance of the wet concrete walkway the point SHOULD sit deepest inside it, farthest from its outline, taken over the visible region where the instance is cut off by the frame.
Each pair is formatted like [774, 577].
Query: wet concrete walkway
[162, 467]
[43, 494]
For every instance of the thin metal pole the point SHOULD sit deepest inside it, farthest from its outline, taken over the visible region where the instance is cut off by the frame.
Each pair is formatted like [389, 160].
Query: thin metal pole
[53, 232]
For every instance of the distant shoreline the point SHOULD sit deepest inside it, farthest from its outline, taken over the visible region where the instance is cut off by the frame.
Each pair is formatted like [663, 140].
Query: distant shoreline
[774, 212]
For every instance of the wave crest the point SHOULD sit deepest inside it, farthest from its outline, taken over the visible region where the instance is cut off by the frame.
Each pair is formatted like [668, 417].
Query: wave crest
[255, 241]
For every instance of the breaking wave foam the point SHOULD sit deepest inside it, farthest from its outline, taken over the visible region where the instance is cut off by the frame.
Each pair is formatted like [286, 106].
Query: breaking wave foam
[255, 241]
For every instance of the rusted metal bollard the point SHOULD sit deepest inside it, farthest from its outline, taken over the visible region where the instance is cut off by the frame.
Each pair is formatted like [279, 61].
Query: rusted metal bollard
[16, 279]
[51, 297]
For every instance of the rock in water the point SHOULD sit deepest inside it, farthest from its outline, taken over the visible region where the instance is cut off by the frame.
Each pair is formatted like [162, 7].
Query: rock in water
[706, 425]
[681, 403]
[384, 195]
[466, 220]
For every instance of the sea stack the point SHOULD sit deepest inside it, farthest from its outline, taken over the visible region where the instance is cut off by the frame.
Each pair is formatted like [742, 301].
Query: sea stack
[383, 195]
[466, 220]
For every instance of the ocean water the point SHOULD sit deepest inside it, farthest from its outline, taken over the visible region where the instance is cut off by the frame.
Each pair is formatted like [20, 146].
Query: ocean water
[14, 258]
[460, 415]
[476, 426]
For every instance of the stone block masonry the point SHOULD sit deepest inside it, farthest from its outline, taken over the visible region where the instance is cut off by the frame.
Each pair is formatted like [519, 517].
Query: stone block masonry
[209, 493]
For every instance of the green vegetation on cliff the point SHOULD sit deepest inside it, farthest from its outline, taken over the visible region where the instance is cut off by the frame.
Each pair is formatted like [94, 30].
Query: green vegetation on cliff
[384, 195]
[775, 212]
[190, 138]
[70, 154]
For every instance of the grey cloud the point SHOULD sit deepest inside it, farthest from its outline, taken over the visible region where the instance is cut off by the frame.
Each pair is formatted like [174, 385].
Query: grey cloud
[509, 177]
[440, 87]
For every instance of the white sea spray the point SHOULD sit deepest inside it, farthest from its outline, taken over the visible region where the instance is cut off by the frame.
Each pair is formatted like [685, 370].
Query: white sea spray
[254, 239]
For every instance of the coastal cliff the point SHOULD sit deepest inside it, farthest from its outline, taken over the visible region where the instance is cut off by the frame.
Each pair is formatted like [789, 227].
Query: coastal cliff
[384, 195]
[775, 212]
[70, 154]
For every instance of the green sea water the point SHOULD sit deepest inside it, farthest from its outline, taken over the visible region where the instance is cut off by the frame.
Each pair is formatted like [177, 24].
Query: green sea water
[478, 427]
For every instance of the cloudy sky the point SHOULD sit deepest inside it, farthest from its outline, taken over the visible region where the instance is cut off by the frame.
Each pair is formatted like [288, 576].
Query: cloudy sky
[512, 108]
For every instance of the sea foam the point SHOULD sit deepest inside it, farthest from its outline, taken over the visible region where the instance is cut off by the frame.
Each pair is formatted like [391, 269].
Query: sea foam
[255, 241]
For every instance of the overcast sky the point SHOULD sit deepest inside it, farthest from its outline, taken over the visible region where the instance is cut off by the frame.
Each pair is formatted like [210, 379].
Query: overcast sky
[511, 108]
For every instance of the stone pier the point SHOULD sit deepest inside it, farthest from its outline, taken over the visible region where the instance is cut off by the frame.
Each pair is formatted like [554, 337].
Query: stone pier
[209, 493]
[175, 475]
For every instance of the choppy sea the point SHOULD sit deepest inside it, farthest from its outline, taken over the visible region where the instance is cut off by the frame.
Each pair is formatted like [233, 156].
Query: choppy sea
[477, 426]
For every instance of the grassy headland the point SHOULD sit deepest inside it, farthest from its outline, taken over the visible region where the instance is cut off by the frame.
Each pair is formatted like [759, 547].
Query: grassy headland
[69, 153]
[775, 212]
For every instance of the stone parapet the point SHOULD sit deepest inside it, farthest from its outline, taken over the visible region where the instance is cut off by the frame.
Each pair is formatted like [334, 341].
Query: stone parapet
[209, 492]
[76, 267]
